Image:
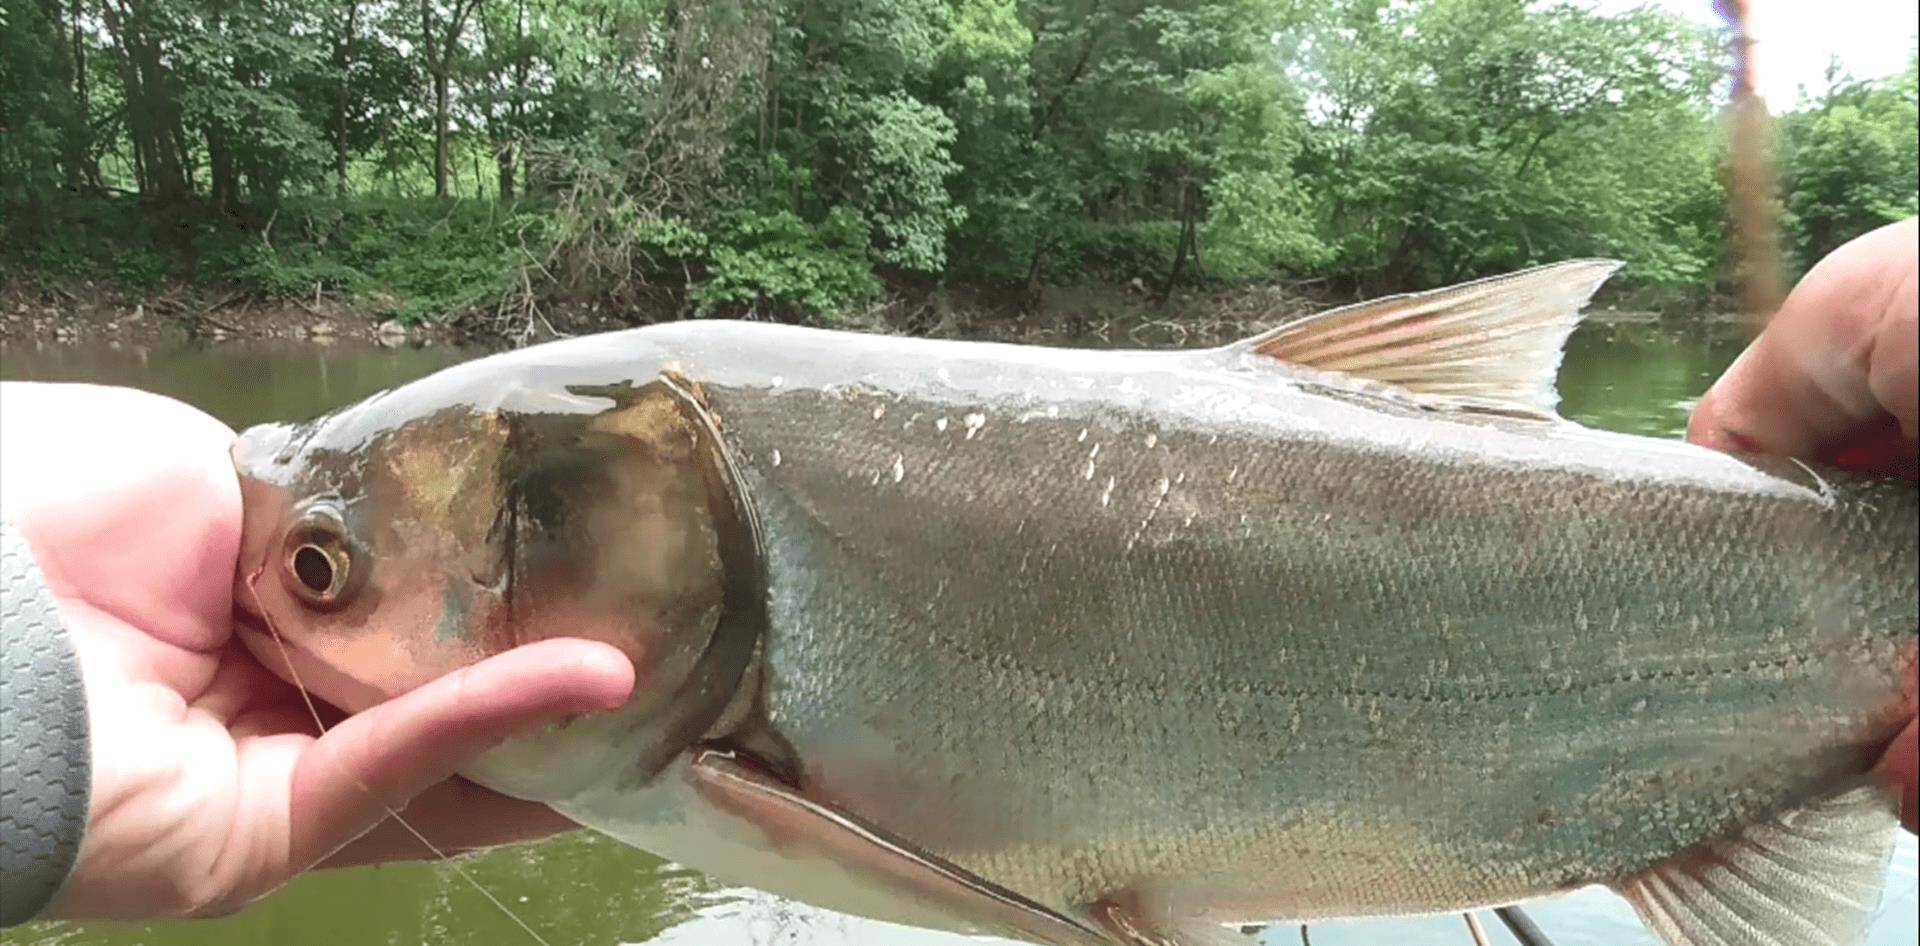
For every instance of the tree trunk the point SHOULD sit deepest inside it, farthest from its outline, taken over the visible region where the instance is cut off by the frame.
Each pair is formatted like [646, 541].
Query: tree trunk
[342, 61]
[130, 84]
[503, 156]
[1187, 235]
[438, 49]
[183, 153]
[1397, 276]
[1193, 236]
[441, 149]
[1034, 269]
[164, 171]
[82, 171]
[146, 108]
[477, 176]
[223, 185]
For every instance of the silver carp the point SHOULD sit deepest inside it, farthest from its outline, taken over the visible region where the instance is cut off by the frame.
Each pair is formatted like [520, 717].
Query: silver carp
[1118, 647]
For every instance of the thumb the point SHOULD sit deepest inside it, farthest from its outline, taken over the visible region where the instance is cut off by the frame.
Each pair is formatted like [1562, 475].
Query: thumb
[1832, 375]
[375, 761]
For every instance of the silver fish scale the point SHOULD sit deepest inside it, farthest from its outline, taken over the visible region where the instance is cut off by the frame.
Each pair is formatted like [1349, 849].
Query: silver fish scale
[1081, 648]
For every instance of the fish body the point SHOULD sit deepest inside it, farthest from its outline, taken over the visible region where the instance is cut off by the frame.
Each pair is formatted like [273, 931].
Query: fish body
[1205, 635]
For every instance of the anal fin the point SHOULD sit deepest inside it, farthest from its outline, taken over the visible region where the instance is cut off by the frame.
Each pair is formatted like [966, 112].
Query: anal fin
[1811, 877]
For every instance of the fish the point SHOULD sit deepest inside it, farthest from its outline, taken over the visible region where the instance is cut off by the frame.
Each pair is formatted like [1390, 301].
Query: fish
[1119, 648]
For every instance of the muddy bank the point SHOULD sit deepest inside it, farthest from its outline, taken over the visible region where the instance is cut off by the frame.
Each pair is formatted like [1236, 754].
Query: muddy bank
[1113, 316]
[86, 312]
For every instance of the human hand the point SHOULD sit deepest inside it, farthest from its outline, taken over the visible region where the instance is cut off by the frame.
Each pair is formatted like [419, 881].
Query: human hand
[1834, 377]
[211, 784]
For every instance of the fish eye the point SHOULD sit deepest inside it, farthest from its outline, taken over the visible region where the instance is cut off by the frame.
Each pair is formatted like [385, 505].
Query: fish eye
[315, 569]
[320, 559]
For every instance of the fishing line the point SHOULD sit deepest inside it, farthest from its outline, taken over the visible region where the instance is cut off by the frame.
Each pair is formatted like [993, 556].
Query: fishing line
[286, 657]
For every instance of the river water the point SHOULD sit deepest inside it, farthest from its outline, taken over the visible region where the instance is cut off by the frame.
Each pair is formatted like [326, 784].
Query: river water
[1634, 377]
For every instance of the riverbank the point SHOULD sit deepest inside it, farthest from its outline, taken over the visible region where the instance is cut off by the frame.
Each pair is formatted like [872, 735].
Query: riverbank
[1120, 316]
[94, 312]
[90, 312]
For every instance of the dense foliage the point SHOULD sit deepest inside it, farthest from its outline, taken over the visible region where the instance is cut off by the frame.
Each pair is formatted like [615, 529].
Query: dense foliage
[795, 157]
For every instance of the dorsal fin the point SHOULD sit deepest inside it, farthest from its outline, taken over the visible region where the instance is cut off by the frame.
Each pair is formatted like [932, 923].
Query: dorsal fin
[1491, 344]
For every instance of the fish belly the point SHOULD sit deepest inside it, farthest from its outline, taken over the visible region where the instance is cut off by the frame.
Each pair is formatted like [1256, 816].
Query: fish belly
[668, 818]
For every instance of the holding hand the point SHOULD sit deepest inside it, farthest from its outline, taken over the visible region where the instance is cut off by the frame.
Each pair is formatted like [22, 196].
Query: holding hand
[210, 783]
[1836, 377]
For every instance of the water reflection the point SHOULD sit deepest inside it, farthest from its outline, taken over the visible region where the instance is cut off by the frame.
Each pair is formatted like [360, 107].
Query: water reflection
[582, 889]
[241, 383]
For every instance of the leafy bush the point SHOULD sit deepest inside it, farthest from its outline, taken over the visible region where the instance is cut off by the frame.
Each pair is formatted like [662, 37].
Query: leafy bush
[424, 259]
[904, 166]
[84, 239]
[60, 258]
[141, 268]
[1118, 252]
[773, 261]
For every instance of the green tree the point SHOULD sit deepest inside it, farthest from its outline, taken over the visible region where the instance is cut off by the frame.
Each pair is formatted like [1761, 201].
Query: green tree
[793, 158]
[443, 26]
[1851, 160]
[142, 36]
[46, 145]
[1461, 137]
[238, 75]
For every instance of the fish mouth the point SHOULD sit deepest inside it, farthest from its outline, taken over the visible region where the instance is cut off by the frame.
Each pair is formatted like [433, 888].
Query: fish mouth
[253, 628]
[325, 688]
[247, 617]
[260, 453]
[264, 505]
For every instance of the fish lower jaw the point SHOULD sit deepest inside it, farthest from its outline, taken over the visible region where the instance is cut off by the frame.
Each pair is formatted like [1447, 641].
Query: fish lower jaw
[561, 761]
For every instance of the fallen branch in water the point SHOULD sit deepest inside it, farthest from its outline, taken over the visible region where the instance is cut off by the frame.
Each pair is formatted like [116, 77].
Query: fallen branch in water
[204, 315]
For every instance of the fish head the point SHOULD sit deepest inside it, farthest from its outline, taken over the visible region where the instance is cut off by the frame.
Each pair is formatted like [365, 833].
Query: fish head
[417, 533]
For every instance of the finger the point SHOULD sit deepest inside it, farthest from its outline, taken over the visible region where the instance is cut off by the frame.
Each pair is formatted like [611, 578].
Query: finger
[1883, 450]
[240, 684]
[455, 816]
[1898, 769]
[1834, 364]
[377, 760]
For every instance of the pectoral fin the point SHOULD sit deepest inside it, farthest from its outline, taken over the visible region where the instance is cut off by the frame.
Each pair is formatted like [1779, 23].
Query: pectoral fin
[1812, 877]
[803, 827]
[1491, 345]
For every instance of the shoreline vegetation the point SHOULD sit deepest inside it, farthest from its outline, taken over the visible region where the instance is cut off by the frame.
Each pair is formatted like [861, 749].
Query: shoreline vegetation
[1123, 315]
[507, 170]
[1115, 316]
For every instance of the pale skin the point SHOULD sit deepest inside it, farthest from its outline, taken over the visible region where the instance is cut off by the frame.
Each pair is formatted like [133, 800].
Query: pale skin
[212, 785]
[1833, 377]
